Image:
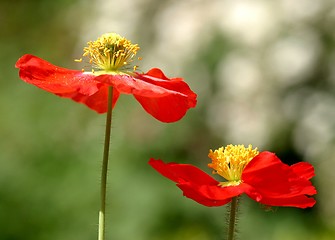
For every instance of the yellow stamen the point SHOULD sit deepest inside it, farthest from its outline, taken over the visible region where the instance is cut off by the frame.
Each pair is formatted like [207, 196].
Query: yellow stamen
[110, 52]
[229, 162]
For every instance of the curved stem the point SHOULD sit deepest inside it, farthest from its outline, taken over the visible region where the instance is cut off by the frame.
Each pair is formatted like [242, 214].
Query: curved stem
[232, 218]
[101, 231]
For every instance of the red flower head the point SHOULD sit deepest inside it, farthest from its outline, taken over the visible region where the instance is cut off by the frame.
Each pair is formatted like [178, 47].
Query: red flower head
[262, 176]
[166, 99]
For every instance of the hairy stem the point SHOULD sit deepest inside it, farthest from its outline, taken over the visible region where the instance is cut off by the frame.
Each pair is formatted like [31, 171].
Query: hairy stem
[102, 212]
[232, 218]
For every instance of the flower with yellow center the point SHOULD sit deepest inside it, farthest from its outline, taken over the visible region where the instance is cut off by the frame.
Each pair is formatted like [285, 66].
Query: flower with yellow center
[260, 175]
[229, 162]
[111, 57]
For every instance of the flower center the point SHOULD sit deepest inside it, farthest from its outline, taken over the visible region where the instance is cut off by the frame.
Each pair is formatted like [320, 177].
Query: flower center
[110, 52]
[229, 162]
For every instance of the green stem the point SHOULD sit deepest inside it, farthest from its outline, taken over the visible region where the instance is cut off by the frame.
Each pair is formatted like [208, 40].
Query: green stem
[232, 218]
[101, 231]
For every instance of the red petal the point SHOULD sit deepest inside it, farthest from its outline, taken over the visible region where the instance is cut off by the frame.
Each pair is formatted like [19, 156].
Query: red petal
[197, 195]
[303, 170]
[64, 82]
[181, 173]
[157, 73]
[277, 183]
[171, 107]
[197, 184]
[55, 79]
[212, 195]
[127, 84]
[165, 99]
[97, 101]
[299, 201]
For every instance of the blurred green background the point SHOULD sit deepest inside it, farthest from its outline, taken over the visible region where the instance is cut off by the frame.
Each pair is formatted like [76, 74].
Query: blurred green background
[264, 72]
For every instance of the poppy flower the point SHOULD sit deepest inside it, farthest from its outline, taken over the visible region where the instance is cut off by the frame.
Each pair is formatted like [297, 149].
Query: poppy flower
[166, 99]
[262, 176]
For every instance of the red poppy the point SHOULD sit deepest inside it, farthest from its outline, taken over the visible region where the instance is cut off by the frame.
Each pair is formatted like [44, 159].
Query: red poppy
[166, 99]
[262, 176]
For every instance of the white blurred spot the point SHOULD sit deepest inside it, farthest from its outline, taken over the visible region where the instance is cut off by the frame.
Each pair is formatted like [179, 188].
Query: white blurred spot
[315, 127]
[112, 16]
[239, 75]
[300, 10]
[291, 58]
[181, 28]
[250, 22]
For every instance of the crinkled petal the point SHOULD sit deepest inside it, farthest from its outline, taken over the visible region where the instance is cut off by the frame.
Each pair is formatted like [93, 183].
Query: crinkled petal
[127, 84]
[213, 195]
[156, 77]
[274, 180]
[304, 170]
[196, 194]
[55, 79]
[97, 101]
[165, 99]
[197, 184]
[171, 107]
[166, 109]
[300, 201]
[80, 87]
[181, 173]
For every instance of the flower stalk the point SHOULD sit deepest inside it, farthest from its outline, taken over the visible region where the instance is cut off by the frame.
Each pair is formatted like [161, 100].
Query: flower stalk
[112, 74]
[104, 170]
[232, 218]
